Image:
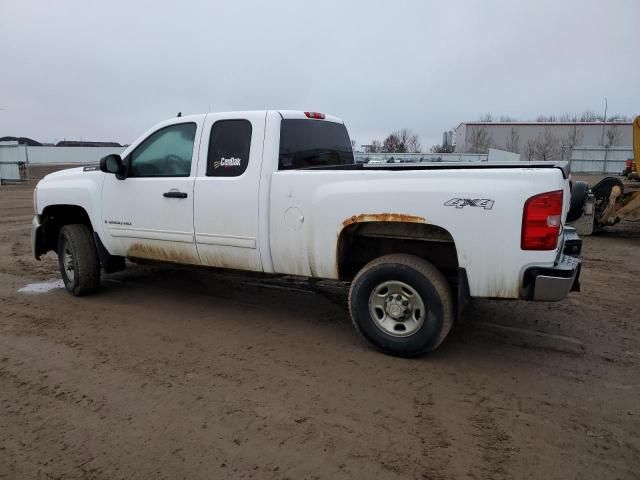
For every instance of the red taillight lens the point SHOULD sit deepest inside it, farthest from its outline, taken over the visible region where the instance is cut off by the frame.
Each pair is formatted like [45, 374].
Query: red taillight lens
[541, 221]
[316, 115]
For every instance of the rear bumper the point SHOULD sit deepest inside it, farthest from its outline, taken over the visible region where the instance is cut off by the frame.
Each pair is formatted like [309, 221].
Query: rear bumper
[37, 238]
[551, 284]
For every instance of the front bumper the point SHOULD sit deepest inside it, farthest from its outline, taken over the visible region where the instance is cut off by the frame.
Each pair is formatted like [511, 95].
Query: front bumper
[551, 284]
[37, 238]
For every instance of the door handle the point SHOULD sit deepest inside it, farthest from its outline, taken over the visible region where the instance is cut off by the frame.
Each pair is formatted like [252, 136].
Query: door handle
[174, 194]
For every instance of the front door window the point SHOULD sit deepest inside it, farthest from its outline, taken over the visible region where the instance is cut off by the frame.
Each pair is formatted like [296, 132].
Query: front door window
[165, 153]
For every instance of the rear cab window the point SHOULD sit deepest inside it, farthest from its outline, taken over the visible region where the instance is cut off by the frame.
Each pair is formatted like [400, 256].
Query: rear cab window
[306, 143]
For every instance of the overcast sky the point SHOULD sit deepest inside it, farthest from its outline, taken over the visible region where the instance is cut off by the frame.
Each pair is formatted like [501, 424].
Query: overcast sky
[108, 70]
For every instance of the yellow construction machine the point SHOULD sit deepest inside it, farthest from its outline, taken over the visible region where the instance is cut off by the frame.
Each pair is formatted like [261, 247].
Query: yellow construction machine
[615, 199]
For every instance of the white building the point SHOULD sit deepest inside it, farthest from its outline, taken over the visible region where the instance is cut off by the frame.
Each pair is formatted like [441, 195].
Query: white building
[540, 140]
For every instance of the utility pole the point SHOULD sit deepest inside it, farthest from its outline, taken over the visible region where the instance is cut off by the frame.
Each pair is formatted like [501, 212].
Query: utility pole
[604, 122]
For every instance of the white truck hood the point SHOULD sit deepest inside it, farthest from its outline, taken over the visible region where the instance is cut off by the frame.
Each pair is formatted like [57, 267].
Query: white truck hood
[69, 174]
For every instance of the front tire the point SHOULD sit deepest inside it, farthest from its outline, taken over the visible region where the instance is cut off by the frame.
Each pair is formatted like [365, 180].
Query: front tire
[78, 260]
[402, 305]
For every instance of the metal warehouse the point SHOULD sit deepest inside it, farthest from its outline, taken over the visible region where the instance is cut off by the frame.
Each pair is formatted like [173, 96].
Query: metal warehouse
[540, 140]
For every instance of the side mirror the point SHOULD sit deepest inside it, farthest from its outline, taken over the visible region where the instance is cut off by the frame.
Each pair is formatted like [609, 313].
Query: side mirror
[112, 164]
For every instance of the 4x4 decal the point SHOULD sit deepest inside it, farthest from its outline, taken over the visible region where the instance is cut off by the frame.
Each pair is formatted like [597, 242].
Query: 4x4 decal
[485, 203]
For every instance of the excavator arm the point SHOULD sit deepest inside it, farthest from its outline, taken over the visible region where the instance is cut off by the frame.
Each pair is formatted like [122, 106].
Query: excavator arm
[618, 200]
[631, 199]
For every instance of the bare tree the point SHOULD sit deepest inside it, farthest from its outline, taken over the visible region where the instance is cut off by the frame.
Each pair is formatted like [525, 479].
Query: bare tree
[589, 116]
[547, 146]
[574, 137]
[586, 116]
[487, 117]
[442, 149]
[613, 135]
[401, 141]
[618, 118]
[480, 141]
[546, 118]
[391, 144]
[512, 144]
[568, 118]
[375, 146]
[530, 150]
[411, 140]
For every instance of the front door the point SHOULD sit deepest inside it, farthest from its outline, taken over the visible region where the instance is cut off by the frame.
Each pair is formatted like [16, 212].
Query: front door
[149, 214]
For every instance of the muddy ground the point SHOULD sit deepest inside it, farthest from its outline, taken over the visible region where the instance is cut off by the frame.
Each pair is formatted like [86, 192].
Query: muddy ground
[197, 375]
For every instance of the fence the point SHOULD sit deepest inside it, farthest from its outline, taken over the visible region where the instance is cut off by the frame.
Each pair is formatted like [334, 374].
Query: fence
[15, 159]
[599, 159]
[417, 157]
[492, 156]
[66, 155]
[12, 165]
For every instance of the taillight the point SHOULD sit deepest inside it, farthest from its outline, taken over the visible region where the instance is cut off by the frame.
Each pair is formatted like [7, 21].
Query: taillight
[316, 115]
[541, 221]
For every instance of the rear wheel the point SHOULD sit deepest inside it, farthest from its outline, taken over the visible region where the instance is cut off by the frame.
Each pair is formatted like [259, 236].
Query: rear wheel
[78, 259]
[401, 304]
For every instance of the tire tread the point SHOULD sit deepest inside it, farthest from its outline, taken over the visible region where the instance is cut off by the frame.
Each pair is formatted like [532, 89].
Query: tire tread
[87, 274]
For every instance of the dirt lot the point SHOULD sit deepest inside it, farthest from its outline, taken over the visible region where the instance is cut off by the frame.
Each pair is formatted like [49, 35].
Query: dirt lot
[187, 374]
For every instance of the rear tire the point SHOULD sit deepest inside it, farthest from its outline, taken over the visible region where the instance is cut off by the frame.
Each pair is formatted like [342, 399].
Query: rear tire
[402, 305]
[78, 260]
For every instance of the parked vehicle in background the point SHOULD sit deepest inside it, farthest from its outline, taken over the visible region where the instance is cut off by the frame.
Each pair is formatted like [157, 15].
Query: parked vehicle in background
[278, 192]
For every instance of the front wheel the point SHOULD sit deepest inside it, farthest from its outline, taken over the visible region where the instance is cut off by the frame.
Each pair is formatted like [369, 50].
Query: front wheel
[401, 304]
[78, 260]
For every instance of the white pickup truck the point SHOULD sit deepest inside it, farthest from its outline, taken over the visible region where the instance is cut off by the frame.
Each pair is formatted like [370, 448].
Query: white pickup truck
[278, 192]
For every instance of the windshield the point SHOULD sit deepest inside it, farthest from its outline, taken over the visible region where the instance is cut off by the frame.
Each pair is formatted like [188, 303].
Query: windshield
[313, 143]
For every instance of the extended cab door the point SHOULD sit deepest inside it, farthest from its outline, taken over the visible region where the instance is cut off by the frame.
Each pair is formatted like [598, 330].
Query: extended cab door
[226, 192]
[149, 214]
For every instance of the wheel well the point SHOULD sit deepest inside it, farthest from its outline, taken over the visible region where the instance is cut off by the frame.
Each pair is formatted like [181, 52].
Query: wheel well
[360, 243]
[54, 217]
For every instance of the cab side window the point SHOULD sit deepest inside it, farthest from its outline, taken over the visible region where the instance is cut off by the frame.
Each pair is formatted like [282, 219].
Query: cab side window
[165, 153]
[229, 146]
